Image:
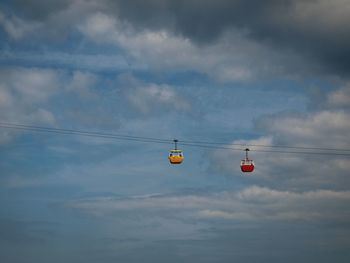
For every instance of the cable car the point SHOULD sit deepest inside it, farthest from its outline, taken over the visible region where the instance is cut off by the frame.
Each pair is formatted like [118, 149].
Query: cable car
[175, 156]
[247, 165]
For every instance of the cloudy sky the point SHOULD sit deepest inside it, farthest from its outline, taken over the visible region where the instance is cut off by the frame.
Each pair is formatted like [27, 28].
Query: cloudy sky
[230, 71]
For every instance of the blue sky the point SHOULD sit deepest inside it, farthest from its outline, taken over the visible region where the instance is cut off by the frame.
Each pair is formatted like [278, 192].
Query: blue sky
[271, 73]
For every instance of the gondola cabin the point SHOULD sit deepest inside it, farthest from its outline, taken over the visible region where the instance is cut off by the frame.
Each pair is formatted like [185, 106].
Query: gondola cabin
[176, 156]
[247, 165]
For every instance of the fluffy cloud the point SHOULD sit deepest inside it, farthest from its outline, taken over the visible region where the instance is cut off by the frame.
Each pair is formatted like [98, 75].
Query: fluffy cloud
[151, 98]
[233, 57]
[321, 130]
[24, 91]
[23, 95]
[82, 83]
[287, 171]
[147, 98]
[183, 31]
[325, 128]
[31, 85]
[29, 96]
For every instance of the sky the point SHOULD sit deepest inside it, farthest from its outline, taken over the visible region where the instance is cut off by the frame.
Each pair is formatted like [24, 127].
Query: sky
[236, 72]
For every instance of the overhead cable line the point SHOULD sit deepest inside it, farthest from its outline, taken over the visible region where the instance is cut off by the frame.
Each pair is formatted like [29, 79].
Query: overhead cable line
[266, 151]
[211, 145]
[82, 133]
[266, 146]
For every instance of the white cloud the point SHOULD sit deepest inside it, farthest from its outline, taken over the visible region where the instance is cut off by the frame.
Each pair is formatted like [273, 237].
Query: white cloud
[26, 95]
[152, 98]
[100, 28]
[24, 90]
[31, 85]
[326, 128]
[81, 83]
[252, 204]
[23, 95]
[157, 98]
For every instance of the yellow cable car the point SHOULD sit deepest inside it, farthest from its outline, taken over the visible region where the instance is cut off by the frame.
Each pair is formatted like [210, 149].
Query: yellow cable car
[176, 156]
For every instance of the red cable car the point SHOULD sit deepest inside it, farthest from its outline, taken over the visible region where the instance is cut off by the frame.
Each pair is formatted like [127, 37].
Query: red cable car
[247, 165]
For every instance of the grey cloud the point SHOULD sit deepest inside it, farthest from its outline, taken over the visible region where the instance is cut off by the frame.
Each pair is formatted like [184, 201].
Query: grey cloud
[318, 29]
[200, 20]
[315, 30]
[50, 20]
[40, 9]
[233, 57]
[17, 28]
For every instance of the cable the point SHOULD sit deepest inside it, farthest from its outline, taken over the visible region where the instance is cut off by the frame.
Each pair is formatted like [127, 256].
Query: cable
[267, 151]
[211, 145]
[267, 146]
[80, 132]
